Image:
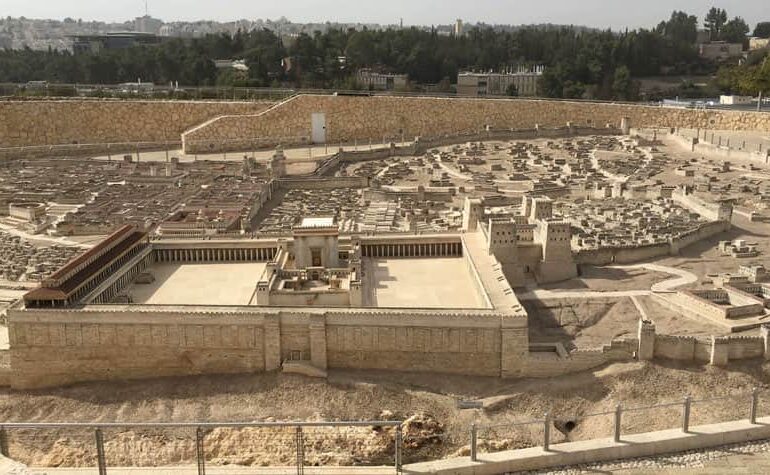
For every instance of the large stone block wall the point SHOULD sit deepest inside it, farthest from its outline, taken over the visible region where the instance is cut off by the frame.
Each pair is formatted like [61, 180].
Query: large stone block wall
[25, 123]
[68, 347]
[444, 343]
[351, 119]
[55, 347]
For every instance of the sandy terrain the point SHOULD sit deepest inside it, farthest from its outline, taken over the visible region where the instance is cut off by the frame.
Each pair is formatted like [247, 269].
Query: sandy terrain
[610, 279]
[439, 429]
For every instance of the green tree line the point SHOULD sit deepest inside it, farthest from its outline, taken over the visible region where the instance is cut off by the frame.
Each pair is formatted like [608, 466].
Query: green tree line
[579, 62]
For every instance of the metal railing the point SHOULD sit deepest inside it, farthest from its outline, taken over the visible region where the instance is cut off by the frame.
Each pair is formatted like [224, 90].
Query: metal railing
[297, 444]
[543, 428]
[104, 445]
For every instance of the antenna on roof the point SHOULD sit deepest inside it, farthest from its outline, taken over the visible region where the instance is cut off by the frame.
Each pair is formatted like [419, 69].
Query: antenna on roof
[146, 9]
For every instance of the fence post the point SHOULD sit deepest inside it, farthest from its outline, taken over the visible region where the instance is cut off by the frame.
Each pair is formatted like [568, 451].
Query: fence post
[4, 442]
[686, 414]
[547, 432]
[399, 447]
[474, 435]
[754, 405]
[100, 452]
[618, 416]
[200, 453]
[300, 452]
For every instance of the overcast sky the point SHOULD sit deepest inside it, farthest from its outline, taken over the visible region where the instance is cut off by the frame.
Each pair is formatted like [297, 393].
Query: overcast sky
[617, 14]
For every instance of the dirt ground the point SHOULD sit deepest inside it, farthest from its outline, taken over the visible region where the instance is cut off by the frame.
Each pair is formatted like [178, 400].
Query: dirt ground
[436, 426]
[610, 279]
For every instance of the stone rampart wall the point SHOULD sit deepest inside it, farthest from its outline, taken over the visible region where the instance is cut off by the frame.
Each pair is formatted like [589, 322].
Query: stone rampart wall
[72, 347]
[25, 123]
[714, 350]
[630, 254]
[55, 347]
[323, 183]
[675, 347]
[741, 348]
[351, 119]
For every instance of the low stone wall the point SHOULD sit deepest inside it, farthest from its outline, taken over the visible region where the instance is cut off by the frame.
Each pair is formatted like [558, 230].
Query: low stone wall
[323, 183]
[549, 365]
[350, 119]
[723, 152]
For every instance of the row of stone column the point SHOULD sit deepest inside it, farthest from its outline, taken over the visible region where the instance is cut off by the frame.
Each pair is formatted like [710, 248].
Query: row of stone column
[215, 255]
[413, 250]
[123, 281]
[106, 271]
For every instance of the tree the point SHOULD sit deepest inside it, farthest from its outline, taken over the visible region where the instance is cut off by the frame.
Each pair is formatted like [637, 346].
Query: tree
[762, 30]
[734, 31]
[622, 84]
[681, 27]
[715, 20]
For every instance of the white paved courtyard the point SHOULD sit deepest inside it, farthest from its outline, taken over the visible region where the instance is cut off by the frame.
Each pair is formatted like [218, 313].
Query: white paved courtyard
[421, 283]
[199, 284]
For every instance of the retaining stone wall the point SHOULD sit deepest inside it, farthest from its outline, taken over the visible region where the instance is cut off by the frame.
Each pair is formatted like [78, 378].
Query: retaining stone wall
[26, 123]
[362, 118]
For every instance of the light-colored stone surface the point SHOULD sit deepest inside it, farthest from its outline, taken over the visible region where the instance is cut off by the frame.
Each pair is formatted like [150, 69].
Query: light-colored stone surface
[425, 283]
[68, 121]
[199, 284]
[362, 118]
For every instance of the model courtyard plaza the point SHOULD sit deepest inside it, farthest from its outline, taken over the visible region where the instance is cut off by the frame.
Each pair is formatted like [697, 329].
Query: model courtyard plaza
[500, 268]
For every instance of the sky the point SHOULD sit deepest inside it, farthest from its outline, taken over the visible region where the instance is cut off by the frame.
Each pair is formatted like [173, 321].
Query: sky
[617, 14]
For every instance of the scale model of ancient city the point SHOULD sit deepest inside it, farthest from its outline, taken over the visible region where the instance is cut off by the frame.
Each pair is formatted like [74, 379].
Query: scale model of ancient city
[338, 242]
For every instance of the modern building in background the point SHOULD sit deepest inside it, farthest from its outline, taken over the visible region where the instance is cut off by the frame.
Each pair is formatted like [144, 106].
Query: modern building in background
[375, 81]
[720, 50]
[147, 24]
[96, 43]
[475, 84]
[758, 43]
[459, 27]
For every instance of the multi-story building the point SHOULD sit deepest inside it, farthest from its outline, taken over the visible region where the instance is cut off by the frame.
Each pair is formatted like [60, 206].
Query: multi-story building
[96, 43]
[375, 81]
[720, 50]
[758, 43]
[147, 24]
[498, 84]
